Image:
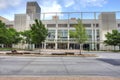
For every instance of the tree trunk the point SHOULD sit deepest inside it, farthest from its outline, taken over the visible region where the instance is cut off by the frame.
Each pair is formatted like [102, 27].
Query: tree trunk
[80, 49]
[114, 48]
[2, 45]
[119, 47]
[39, 49]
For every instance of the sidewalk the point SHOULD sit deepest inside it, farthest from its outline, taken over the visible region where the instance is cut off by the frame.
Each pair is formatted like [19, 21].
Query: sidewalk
[58, 78]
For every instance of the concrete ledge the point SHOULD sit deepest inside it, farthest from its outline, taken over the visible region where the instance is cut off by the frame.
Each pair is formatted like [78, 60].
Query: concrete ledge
[69, 53]
[58, 53]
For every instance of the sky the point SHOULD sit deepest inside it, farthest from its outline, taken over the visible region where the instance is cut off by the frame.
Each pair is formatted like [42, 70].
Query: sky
[10, 7]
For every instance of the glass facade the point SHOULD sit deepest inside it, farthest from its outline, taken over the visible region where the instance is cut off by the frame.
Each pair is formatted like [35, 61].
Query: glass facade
[62, 35]
[89, 33]
[51, 35]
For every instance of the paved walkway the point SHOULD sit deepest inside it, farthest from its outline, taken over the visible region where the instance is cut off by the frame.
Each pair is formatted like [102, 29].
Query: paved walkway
[58, 78]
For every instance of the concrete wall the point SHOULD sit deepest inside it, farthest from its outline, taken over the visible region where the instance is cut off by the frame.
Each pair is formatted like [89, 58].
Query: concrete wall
[21, 22]
[107, 21]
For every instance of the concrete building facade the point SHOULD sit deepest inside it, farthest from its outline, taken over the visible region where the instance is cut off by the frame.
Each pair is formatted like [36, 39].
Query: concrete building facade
[33, 10]
[96, 29]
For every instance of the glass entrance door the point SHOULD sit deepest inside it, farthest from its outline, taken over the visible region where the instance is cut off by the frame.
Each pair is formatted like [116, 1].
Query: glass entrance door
[62, 45]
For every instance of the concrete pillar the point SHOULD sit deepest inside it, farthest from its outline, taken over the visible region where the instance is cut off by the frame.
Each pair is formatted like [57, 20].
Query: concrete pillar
[95, 47]
[68, 45]
[56, 45]
[92, 45]
[44, 45]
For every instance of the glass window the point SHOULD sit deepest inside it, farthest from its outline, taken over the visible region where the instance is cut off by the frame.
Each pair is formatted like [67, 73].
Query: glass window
[87, 25]
[51, 34]
[89, 33]
[62, 25]
[51, 25]
[72, 25]
[62, 33]
[96, 25]
[118, 25]
[98, 34]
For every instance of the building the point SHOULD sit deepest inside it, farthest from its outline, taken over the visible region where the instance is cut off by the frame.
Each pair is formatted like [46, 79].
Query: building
[96, 29]
[33, 10]
[21, 22]
[8, 23]
[97, 24]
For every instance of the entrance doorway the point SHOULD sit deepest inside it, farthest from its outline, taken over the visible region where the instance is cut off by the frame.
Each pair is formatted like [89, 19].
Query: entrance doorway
[86, 47]
[62, 45]
[50, 46]
[74, 46]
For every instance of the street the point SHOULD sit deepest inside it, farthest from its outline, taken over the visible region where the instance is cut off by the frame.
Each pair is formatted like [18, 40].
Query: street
[60, 66]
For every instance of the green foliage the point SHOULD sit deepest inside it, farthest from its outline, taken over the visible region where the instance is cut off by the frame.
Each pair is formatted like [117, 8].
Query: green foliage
[113, 38]
[3, 36]
[26, 36]
[8, 36]
[80, 33]
[14, 36]
[39, 32]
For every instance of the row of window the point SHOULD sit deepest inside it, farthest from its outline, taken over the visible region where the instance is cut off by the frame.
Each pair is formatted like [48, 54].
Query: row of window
[64, 33]
[71, 25]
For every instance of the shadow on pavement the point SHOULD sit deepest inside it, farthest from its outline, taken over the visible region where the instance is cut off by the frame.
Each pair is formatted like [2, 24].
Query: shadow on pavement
[115, 62]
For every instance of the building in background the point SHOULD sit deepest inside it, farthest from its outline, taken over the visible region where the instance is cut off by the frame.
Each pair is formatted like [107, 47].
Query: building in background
[33, 10]
[9, 24]
[21, 22]
[97, 24]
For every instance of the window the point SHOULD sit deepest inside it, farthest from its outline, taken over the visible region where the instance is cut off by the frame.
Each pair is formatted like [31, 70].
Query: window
[89, 33]
[62, 25]
[51, 25]
[72, 25]
[87, 25]
[96, 25]
[62, 33]
[119, 25]
[51, 34]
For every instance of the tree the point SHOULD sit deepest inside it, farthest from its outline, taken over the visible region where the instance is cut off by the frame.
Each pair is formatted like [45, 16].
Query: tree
[119, 40]
[113, 38]
[3, 37]
[8, 36]
[26, 37]
[79, 34]
[39, 32]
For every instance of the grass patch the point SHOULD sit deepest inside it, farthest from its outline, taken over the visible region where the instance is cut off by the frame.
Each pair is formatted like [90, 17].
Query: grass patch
[5, 49]
[9, 49]
[115, 50]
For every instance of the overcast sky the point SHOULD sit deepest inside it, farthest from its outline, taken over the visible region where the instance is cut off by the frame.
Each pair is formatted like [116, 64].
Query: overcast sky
[10, 7]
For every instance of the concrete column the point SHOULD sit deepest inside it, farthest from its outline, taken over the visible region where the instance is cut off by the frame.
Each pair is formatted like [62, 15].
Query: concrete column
[68, 45]
[92, 45]
[44, 45]
[56, 45]
[95, 39]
